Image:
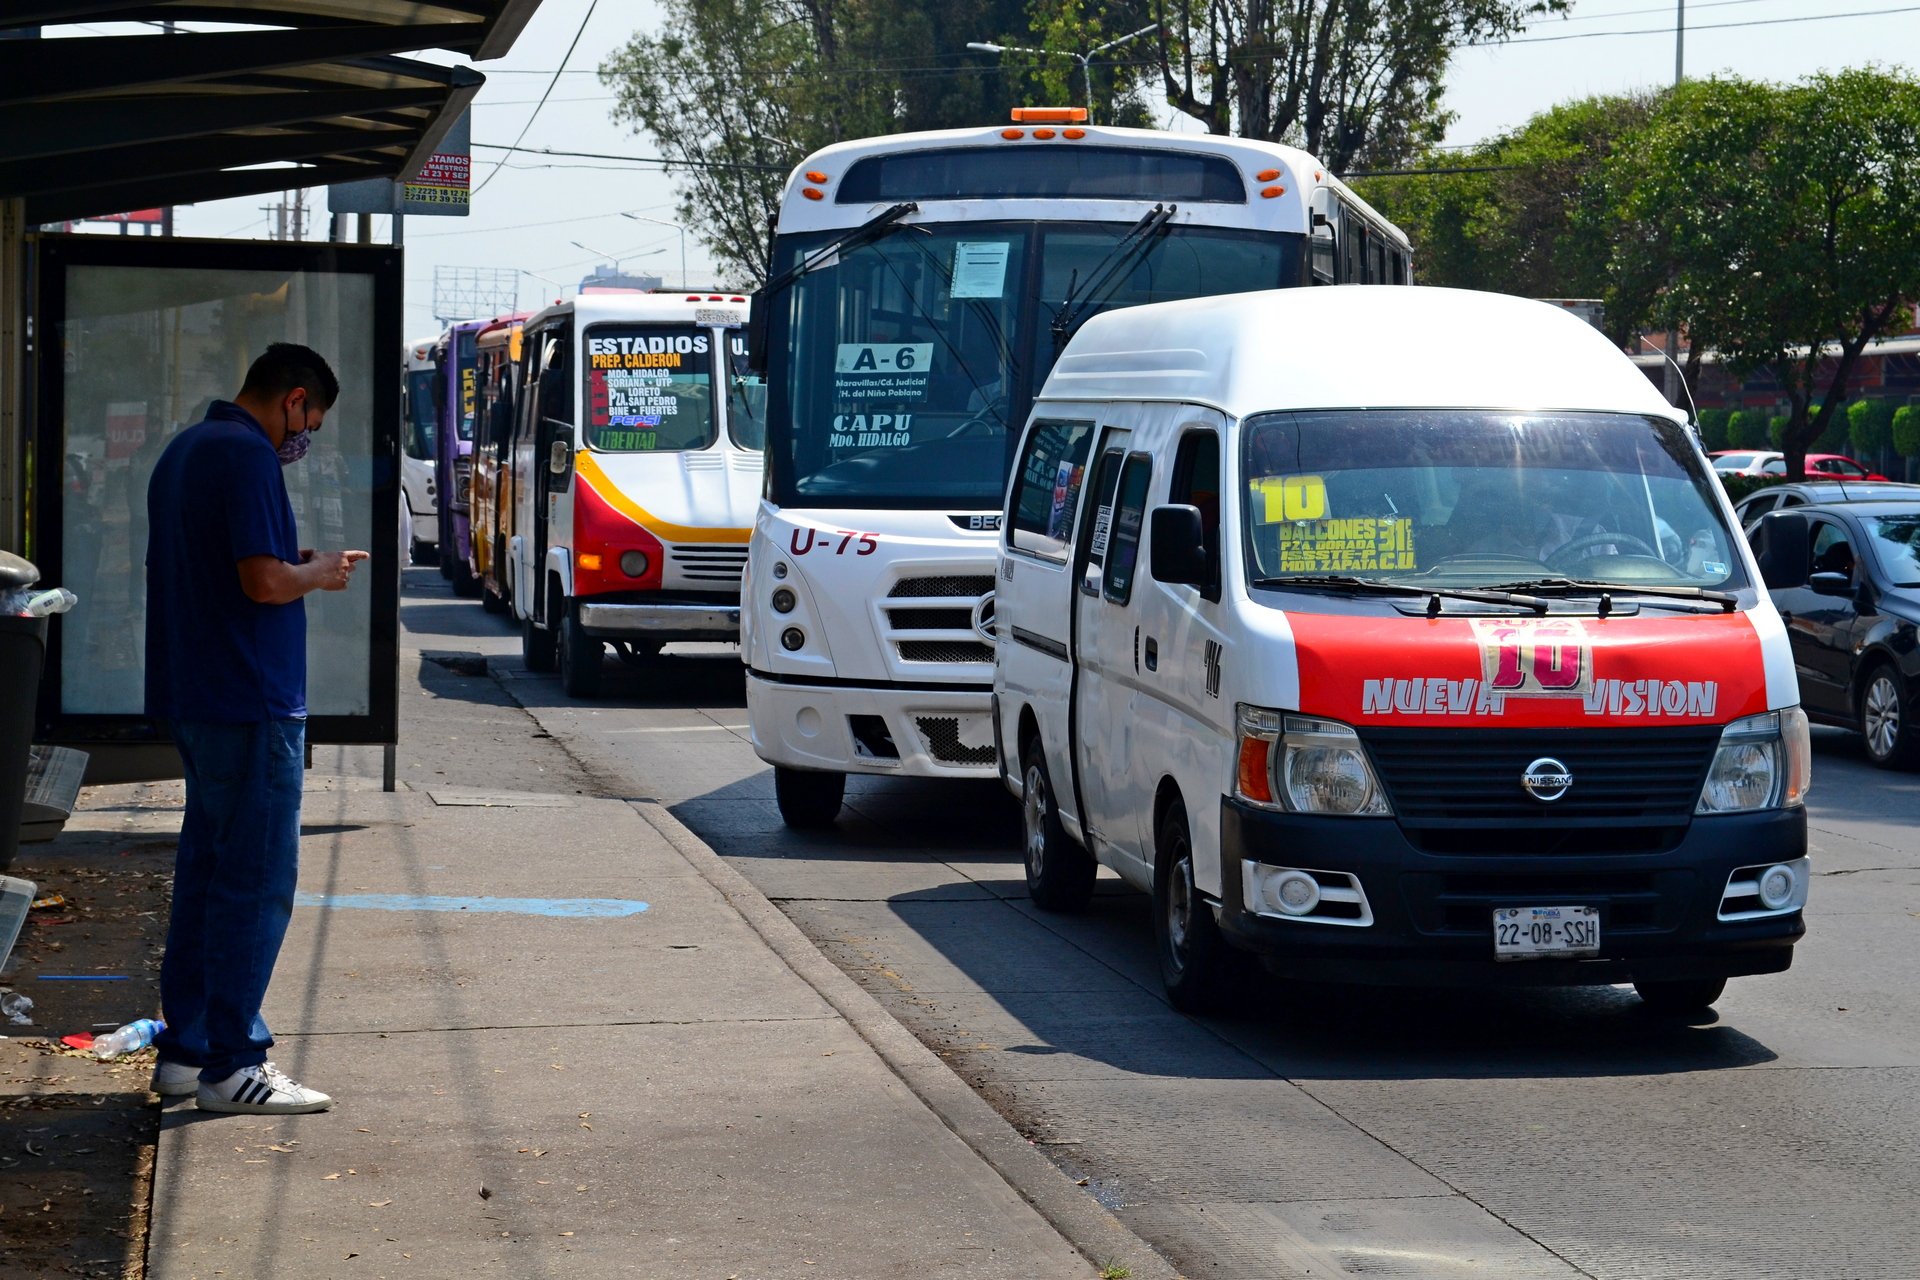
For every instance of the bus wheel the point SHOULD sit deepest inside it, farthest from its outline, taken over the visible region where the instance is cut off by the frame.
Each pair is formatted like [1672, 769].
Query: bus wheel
[809, 799]
[492, 601]
[466, 583]
[536, 646]
[1677, 999]
[424, 552]
[1059, 872]
[580, 656]
[1196, 964]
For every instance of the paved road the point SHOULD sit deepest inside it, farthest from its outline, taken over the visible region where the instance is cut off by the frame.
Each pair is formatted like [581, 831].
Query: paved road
[1329, 1131]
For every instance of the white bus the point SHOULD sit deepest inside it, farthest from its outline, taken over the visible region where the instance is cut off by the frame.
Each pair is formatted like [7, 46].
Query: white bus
[419, 505]
[922, 287]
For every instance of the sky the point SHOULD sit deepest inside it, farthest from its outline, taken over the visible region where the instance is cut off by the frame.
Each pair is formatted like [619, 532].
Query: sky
[551, 220]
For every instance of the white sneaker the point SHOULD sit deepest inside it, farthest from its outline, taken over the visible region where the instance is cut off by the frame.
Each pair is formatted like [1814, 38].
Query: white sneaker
[175, 1079]
[261, 1090]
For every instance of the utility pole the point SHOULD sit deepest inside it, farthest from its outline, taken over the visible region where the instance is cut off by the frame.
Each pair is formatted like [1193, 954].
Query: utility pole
[1672, 381]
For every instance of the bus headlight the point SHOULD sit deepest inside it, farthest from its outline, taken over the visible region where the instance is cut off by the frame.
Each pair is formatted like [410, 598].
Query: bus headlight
[784, 600]
[1762, 762]
[1303, 764]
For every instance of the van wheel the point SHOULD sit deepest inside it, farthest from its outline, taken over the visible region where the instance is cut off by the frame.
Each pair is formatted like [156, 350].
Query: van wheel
[1888, 731]
[1672, 999]
[1196, 964]
[537, 646]
[580, 656]
[1059, 872]
[809, 799]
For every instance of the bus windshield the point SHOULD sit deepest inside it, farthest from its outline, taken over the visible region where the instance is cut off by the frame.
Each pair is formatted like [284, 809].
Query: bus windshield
[1471, 498]
[420, 413]
[909, 361]
[746, 398]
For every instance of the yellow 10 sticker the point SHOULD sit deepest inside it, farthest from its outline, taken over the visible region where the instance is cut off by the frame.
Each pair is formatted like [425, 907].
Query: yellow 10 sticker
[1291, 498]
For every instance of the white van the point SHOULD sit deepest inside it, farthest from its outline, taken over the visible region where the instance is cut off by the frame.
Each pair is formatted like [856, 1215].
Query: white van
[1395, 635]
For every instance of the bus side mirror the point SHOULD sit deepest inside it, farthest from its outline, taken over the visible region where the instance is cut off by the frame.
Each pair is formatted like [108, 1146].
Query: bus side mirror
[559, 458]
[757, 333]
[1780, 545]
[1179, 552]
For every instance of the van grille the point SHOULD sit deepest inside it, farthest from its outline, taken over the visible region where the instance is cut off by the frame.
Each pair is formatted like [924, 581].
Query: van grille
[1621, 777]
[930, 620]
[721, 563]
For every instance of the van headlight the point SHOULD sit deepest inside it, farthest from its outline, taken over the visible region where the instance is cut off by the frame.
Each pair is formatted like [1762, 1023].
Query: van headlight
[1763, 762]
[1303, 764]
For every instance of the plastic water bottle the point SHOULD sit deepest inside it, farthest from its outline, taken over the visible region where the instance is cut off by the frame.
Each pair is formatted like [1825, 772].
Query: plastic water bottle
[131, 1038]
[57, 600]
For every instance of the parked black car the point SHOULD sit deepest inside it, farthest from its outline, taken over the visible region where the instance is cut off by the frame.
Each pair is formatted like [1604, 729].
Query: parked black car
[1800, 493]
[1846, 578]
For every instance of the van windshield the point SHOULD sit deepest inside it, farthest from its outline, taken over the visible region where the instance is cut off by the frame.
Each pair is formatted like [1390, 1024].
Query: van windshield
[649, 388]
[1464, 498]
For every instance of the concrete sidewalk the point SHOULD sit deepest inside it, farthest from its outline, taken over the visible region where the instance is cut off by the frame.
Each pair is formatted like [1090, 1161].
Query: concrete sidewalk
[565, 1039]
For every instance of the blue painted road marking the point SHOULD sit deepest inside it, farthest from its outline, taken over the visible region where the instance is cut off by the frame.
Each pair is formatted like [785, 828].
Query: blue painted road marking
[574, 907]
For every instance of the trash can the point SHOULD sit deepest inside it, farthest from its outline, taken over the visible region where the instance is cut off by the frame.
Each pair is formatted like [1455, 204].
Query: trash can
[23, 649]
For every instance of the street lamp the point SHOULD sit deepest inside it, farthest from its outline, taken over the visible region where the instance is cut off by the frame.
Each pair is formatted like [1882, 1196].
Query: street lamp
[1084, 59]
[662, 222]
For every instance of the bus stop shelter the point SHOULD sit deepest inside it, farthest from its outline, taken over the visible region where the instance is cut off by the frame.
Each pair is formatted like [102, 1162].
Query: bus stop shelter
[109, 344]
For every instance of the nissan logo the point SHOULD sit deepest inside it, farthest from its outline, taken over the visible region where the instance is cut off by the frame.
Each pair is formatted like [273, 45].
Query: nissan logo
[1546, 780]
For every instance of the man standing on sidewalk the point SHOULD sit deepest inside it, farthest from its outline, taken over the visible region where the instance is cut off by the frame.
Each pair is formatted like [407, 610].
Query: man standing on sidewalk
[227, 671]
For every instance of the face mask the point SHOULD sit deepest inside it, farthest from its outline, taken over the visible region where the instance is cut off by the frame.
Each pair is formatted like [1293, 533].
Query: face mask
[294, 446]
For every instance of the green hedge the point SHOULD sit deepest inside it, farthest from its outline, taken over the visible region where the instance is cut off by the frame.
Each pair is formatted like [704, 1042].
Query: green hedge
[1777, 430]
[1713, 428]
[1870, 428]
[1738, 487]
[1747, 429]
[1906, 431]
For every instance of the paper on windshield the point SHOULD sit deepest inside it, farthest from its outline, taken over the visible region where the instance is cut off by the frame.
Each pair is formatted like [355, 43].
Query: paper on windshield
[1359, 544]
[980, 268]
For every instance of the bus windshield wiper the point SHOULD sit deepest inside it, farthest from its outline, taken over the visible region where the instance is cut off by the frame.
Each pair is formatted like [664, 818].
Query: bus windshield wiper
[1127, 251]
[1726, 601]
[1375, 586]
[875, 228]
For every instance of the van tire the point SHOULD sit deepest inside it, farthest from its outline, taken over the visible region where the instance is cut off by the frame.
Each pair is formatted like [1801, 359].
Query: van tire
[1197, 967]
[1059, 872]
[809, 799]
[580, 656]
[1677, 999]
[537, 646]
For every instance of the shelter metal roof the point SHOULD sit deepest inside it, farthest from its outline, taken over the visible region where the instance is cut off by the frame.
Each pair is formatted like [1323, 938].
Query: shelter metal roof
[107, 123]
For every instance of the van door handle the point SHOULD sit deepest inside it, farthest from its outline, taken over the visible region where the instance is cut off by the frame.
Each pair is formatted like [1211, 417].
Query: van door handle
[1153, 654]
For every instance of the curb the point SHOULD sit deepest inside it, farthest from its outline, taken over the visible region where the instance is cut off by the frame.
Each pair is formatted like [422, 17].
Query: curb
[1099, 1236]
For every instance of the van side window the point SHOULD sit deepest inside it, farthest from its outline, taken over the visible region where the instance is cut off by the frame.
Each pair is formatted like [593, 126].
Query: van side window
[1196, 483]
[1046, 487]
[1123, 542]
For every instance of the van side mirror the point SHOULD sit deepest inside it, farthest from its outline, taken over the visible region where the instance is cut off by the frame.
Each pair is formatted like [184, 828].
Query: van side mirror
[1179, 547]
[1780, 545]
[757, 333]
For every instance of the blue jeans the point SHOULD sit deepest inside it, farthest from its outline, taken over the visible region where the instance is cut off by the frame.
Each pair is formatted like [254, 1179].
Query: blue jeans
[233, 883]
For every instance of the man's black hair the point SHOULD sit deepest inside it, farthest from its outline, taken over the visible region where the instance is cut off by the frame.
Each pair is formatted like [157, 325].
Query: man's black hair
[286, 365]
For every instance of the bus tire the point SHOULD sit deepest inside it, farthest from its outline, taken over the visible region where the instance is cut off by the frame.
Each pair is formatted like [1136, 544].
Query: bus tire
[466, 584]
[492, 601]
[423, 553]
[1197, 966]
[537, 646]
[809, 799]
[1678, 999]
[580, 656]
[1059, 872]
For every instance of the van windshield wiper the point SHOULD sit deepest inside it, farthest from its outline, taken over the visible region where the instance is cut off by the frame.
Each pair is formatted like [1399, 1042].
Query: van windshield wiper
[875, 228]
[1726, 601]
[1126, 253]
[1375, 586]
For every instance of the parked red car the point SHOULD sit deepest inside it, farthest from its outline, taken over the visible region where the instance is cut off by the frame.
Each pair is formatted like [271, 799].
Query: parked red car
[1839, 466]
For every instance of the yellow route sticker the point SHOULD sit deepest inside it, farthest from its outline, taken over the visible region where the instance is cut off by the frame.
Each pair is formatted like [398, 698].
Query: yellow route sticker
[1291, 498]
[1360, 544]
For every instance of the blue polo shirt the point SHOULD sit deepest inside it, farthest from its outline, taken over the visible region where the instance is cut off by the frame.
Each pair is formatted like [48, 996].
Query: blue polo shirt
[217, 496]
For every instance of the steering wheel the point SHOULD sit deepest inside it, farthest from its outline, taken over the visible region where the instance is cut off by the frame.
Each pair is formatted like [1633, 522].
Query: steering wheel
[1571, 550]
[991, 419]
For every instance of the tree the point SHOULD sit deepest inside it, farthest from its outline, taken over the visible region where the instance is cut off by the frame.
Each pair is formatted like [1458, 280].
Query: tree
[1355, 82]
[1906, 431]
[1869, 429]
[1520, 216]
[1777, 225]
[735, 93]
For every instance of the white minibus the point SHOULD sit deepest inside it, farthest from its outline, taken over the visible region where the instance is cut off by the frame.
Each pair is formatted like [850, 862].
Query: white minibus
[1387, 665]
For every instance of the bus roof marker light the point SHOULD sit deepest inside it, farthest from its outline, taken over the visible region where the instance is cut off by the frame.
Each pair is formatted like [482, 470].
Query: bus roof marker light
[815, 176]
[1266, 175]
[1268, 193]
[1073, 135]
[1049, 115]
[1013, 135]
[1043, 134]
[813, 193]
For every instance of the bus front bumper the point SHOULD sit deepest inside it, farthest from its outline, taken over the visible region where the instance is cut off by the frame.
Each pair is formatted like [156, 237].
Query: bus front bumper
[852, 728]
[662, 621]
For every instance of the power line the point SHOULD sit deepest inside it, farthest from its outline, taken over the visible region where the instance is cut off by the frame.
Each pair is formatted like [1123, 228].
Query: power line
[522, 226]
[643, 160]
[1711, 26]
[535, 114]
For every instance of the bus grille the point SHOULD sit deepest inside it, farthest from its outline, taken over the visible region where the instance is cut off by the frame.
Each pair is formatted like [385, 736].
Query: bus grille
[942, 736]
[721, 563]
[931, 620]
